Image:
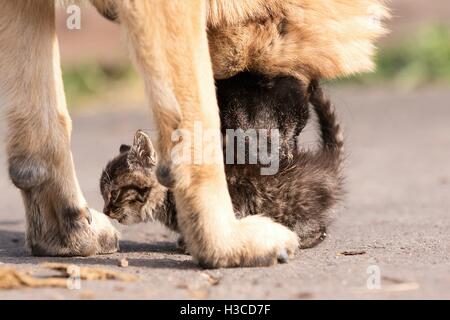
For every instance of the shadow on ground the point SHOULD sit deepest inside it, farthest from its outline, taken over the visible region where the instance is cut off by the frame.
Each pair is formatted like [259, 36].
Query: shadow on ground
[13, 251]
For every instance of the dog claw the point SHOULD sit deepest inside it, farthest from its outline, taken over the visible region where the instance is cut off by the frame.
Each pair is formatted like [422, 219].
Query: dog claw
[89, 216]
[283, 257]
[181, 245]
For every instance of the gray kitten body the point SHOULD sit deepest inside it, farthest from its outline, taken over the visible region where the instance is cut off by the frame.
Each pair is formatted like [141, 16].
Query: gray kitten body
[301, 195]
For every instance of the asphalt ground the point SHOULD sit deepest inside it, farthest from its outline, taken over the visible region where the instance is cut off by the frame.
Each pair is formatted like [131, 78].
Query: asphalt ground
[395, 218]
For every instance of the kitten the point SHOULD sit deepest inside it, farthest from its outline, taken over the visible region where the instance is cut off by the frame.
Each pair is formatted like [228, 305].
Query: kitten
[253, 101]
[300, 195]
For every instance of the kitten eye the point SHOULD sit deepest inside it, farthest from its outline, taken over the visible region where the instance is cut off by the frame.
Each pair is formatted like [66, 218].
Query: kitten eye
[145, 190]
[115, 195]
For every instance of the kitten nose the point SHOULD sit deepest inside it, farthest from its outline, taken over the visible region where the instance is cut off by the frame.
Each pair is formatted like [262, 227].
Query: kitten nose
[106, 211]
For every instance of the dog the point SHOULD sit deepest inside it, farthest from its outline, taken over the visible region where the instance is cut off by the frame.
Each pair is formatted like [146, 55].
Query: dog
[179, 47]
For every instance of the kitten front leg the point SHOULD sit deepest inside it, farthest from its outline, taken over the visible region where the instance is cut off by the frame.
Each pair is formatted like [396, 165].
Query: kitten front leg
[170, 46]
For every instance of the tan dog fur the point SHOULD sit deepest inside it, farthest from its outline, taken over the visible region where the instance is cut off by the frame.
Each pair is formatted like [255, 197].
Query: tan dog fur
[308, 39]
[178, 46]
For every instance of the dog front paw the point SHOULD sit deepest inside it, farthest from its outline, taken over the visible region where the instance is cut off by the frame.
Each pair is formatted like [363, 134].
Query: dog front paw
[257, 242]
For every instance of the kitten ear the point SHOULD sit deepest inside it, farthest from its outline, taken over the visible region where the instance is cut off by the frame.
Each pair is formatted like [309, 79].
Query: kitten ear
[124, 148]
[142, 152]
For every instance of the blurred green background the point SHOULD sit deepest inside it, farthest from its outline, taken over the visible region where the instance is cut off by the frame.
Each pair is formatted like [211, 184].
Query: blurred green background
[421, 58]
[415, 54]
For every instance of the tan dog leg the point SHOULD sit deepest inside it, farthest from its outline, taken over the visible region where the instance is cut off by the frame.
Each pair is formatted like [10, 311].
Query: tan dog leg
[40, 161]
[170, 46]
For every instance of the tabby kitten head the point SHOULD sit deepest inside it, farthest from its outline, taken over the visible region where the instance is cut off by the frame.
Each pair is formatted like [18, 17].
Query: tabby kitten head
[129, 185]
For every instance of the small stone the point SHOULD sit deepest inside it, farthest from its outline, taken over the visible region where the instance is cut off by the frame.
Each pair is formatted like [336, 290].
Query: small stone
[352, 253]
[213, 281]
[183, 286]
[123, 263]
